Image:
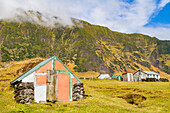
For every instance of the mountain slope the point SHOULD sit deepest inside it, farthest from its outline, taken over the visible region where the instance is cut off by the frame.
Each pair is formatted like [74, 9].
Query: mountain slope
[88, 47]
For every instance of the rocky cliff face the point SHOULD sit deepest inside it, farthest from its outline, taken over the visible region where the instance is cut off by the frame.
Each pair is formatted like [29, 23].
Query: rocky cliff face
[88, 47]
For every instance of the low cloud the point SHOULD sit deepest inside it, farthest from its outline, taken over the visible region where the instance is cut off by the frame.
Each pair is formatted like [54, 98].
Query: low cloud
[164, 33]
[118, 15]
[163, 3]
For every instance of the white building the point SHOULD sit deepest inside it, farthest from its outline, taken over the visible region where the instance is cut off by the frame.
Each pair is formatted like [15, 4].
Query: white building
[127, 76]
[146, 76]
[104, 76]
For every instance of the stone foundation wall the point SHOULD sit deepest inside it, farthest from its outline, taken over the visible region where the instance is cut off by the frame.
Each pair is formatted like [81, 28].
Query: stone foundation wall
[78, 91]
[24, 92]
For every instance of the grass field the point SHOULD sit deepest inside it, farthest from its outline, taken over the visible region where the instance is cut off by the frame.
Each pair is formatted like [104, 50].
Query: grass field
[106, 96]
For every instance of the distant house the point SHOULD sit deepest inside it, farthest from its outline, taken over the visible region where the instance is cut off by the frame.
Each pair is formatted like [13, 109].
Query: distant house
[146, 76]
[118, 77]
[127, 76]
[104, 76]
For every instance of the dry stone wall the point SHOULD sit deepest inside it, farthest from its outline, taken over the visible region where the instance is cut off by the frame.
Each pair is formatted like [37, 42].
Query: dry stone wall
[78, 91]
[24, 92]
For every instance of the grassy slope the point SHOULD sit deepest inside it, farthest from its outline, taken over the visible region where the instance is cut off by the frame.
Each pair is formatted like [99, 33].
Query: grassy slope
[104, 94]
[104, 98]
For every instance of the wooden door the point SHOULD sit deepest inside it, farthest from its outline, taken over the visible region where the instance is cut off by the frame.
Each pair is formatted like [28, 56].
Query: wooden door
[52, 86]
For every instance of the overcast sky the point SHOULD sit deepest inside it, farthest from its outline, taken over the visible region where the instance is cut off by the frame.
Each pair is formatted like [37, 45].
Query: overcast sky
[151, 17]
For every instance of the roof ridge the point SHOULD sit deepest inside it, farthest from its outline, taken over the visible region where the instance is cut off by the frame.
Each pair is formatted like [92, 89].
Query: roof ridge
[39, 65]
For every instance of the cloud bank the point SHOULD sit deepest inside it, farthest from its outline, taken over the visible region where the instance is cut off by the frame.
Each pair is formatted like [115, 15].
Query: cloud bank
[118, 15]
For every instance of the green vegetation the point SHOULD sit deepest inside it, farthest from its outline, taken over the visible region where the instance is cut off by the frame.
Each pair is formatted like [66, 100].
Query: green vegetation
[106, 96]
[90, 47]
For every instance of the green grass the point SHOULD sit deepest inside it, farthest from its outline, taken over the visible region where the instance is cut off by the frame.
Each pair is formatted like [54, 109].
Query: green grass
[105, 98]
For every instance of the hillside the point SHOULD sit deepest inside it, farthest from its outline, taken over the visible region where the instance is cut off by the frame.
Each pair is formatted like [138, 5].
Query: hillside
[106, 96]
[84, 46]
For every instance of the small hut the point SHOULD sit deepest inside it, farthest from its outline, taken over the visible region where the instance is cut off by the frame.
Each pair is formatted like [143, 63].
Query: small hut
[127, 76]
[50, 80]
[117, 77]
[104, 76]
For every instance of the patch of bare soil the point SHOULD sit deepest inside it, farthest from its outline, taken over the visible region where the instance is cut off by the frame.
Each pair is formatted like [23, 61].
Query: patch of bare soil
[133, 98]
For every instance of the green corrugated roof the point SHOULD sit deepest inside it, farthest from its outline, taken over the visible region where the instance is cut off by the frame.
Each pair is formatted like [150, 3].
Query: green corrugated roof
[39, 66]
[116, 76]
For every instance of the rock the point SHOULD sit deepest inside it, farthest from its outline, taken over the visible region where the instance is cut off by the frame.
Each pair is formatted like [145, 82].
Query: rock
[24, 92]
[78, 91]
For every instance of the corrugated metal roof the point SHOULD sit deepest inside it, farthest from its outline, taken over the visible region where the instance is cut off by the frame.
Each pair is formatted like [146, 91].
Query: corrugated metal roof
[150, 72]
[39, 66]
